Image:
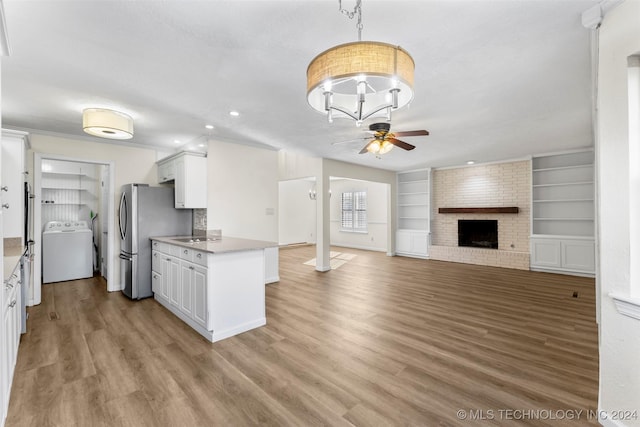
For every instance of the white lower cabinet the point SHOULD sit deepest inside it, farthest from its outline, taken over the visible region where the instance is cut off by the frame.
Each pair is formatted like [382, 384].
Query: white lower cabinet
[180, 283]
[219, 294]
[9, 339]
[563, 255]
[412, 243]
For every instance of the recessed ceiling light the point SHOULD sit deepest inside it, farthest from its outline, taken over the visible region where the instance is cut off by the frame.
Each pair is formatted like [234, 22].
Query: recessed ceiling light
[200, 145]
[209, 126]
[177, 141]
[234, 113]
[470, 162]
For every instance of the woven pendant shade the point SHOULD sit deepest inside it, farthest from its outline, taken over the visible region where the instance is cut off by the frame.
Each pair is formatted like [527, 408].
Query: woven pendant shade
[361, 58]
[337, 70]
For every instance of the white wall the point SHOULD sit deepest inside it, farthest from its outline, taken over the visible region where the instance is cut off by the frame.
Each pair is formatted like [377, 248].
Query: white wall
[242, 191]
[377, 215]
[619, 335]
[296, 212]
[363, 173]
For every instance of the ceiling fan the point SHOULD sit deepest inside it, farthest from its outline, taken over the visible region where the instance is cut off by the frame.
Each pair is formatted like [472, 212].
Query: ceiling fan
[383, 140]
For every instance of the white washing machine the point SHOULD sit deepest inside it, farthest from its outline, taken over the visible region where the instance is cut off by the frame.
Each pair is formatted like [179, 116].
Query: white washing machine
[67, 250]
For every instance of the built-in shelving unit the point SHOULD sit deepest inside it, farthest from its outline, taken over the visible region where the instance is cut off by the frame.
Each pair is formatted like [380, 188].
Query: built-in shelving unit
[69, 191]
[563, 212]
[414, 203]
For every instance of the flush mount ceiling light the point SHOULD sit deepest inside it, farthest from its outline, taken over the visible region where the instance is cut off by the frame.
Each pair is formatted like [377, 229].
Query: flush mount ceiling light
[360, 80]
[107, 123]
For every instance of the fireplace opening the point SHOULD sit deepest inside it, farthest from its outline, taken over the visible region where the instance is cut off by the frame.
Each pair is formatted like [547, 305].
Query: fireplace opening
[478, 233]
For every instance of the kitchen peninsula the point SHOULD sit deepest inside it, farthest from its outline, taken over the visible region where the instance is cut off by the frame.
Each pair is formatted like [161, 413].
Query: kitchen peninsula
[216, 286]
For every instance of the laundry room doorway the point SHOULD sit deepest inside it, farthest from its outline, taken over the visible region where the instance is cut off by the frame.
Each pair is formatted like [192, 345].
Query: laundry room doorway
[73, 219]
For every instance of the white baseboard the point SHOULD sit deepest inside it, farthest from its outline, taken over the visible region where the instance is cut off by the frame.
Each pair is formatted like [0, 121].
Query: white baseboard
[272, 279]
[561, 271]
[364, 248]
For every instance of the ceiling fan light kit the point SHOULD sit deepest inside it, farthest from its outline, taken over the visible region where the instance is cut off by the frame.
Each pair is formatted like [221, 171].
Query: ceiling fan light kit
[105, 123]
[383, 140]
[360, 80]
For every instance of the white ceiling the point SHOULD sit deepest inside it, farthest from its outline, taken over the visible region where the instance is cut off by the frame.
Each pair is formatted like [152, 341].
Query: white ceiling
[495, 80]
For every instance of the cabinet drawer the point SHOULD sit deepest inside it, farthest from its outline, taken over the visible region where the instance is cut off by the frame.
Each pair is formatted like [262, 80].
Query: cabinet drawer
[185, 254]
[156, 257]
[156, 282]
[200, 258]
[160, 247]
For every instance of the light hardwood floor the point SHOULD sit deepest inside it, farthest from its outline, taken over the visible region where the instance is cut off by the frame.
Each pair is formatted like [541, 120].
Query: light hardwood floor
[379, 341]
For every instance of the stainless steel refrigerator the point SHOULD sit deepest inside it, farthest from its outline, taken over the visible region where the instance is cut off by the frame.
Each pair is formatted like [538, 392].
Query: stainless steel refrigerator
[146, 212]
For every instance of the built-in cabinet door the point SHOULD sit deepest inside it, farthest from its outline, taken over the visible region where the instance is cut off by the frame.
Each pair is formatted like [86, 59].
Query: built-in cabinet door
[579, 255]
[174, 281]
[545, 253]
[166, 172]
[413, 243]
[11, 335]
[199, 282]
[165, 276]
[180, 185]
[186, 288]
[193, 289]
[403, 242]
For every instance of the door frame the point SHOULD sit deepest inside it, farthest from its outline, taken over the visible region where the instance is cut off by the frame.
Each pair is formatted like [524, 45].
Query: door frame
[37, 221]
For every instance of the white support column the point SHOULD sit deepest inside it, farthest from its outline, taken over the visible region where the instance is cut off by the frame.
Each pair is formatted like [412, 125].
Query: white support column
[323, 232]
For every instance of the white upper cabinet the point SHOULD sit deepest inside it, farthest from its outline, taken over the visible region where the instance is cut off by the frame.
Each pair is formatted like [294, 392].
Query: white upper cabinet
[188, 171]
[14, 146]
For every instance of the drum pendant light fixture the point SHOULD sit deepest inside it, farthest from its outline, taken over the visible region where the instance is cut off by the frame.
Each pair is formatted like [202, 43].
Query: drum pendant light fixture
[106, 123]
[360, 80]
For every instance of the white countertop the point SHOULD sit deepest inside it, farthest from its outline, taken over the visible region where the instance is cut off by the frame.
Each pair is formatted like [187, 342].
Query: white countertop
[224, 244]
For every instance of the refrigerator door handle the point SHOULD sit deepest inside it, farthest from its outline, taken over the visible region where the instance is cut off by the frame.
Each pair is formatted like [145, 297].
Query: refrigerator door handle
[126, 257]
[123, 211]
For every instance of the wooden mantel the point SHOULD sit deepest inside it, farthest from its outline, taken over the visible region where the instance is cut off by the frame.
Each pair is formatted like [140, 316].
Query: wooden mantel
[490, 210]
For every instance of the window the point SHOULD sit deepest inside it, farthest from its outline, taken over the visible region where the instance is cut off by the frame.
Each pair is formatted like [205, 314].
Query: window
[354, 211]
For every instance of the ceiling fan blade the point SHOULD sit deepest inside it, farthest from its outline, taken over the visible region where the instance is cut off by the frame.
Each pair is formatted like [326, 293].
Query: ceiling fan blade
[401, 144]
[366, 147]
[412, 133]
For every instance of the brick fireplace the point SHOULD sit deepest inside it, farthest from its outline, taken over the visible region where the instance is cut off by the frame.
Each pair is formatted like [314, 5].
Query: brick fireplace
[493, 185]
